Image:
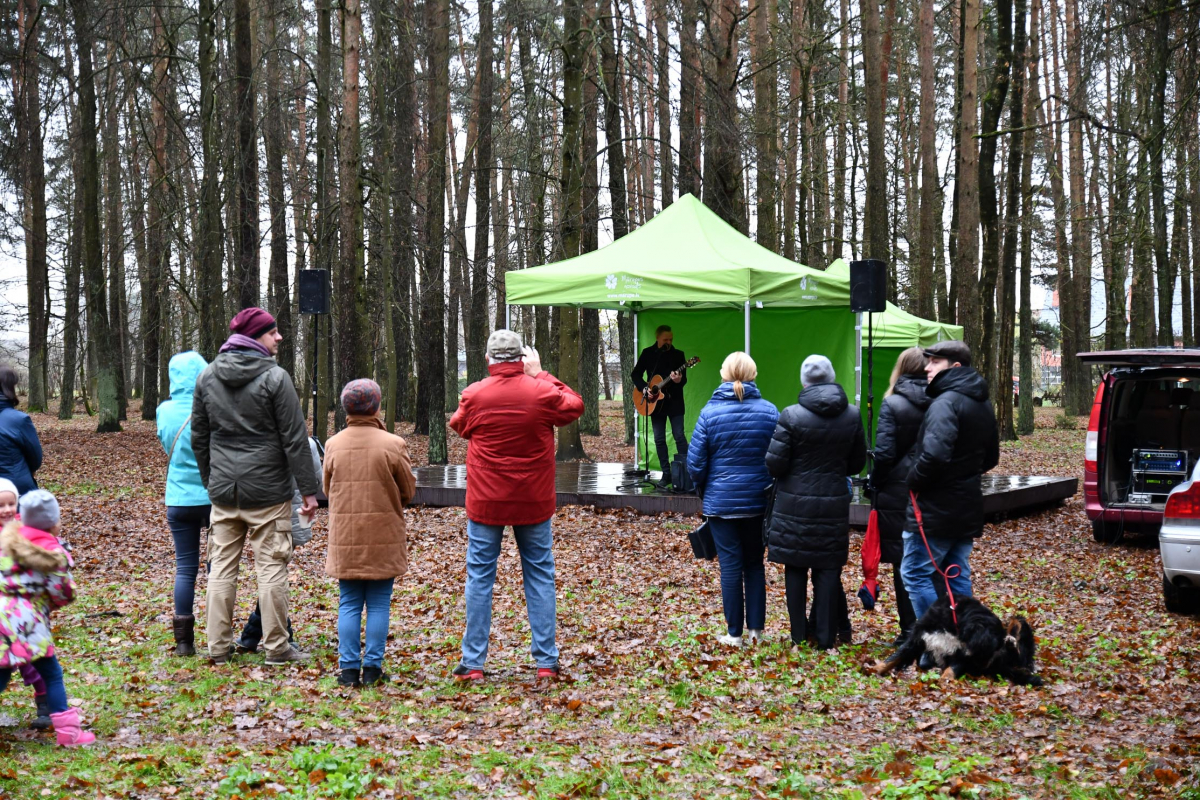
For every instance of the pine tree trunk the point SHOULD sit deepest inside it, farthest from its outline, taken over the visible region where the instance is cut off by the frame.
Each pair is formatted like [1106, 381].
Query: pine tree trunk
[1012, 206]
[662, 66]
[589, 240]
[689, 100]
[1077, 379]
[433, 306]
[484, 164]
[101, 340]
[1025, 422]
[208, 279]
[570, 445]
[1159, 58]
[28, 112]
[722, 168]
[246, 288]
[350, 309]
[157, 220]
[118, 312]
[406, 119]
[273, 139]
[875, 215]
[73, 257]
[966, 266]
[326, 228]
[610, 67]
[765, 128]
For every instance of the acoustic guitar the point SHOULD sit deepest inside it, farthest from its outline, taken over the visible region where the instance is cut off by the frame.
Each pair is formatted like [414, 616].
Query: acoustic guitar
[646, 399]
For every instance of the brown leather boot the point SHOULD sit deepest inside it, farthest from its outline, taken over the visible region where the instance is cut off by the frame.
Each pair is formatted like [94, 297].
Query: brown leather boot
[185, 635]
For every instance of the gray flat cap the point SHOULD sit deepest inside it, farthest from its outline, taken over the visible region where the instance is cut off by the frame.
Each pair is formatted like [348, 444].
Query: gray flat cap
[504, 345]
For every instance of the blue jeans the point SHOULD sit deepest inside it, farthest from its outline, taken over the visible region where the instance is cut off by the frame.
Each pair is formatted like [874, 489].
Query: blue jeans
[185, 523]
[534, 542]
[740, 553]
[919, 574]
[376, 596]
[51, 672]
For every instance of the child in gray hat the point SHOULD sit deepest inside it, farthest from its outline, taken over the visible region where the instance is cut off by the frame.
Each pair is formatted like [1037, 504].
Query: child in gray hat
[35, 579]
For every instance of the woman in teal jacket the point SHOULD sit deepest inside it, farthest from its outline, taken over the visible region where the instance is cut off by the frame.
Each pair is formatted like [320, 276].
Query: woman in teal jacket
[187, 501]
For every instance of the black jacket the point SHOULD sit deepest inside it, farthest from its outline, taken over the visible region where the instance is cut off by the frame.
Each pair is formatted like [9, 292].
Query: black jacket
[817, 444]
[957, 443]
[248, 432]
[653, 362]
[899, 422]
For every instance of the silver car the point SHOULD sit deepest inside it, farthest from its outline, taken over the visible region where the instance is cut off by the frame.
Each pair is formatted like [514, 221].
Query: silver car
[1179, 546]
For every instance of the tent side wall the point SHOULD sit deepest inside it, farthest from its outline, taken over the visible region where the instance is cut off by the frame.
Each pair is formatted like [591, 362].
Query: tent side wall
[710, 334]
[780, 340]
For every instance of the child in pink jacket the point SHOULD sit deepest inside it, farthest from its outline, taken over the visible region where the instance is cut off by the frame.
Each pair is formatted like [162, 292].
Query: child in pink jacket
[35, 579]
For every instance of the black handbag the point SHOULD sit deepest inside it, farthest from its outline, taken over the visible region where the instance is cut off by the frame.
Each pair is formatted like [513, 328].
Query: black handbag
[703, 545]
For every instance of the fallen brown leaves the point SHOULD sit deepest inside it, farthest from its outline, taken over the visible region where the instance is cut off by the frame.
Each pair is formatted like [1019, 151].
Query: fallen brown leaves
[648, 696]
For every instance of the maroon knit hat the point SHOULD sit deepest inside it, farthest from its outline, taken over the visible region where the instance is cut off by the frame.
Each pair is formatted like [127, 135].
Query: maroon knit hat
[252, 322]
[362, 398]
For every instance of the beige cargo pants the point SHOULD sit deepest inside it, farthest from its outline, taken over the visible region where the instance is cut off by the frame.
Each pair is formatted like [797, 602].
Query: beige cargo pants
[269, 533]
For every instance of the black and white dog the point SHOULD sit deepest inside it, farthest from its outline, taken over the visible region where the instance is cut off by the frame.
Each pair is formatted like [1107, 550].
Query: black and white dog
[980, 644]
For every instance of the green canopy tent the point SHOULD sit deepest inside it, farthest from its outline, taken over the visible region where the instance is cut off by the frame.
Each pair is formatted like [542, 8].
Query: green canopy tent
[719, 291]
[892, 331]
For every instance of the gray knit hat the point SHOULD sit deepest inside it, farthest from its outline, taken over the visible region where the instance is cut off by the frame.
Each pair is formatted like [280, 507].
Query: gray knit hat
[815, 370]
[504, 345]
[39, 510]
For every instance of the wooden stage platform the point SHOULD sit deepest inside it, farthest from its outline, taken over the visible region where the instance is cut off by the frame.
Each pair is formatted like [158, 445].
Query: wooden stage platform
[609, 486]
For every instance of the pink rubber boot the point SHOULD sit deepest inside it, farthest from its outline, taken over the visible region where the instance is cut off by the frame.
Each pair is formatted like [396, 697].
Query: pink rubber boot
[68, 730]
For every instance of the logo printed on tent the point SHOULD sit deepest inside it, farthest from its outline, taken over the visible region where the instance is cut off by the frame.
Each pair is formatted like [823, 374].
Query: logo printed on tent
[629, 286]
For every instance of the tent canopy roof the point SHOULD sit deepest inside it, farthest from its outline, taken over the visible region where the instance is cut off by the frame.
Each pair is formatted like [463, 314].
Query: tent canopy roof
[895, 327]
[684, 257]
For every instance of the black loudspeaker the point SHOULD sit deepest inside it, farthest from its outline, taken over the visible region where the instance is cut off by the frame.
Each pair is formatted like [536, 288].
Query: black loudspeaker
[868, 285]
[314, 291]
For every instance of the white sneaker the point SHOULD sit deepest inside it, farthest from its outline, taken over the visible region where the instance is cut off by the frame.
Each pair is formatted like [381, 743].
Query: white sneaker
[730, 641]
[753, 635]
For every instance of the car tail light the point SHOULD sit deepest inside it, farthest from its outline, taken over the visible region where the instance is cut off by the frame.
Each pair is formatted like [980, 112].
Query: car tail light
[1091, 449]
[1184, 504]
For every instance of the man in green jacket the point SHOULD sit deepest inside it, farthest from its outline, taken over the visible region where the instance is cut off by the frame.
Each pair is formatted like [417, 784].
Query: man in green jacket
[250, 441]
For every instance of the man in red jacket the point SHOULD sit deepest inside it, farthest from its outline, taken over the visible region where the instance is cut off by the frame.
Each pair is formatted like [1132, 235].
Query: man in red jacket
[509, 420]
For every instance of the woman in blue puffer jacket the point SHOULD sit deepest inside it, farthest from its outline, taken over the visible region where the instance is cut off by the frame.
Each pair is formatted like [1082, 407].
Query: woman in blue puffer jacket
[726, 459]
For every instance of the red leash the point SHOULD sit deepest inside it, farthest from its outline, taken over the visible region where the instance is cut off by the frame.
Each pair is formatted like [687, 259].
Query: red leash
[952, 571]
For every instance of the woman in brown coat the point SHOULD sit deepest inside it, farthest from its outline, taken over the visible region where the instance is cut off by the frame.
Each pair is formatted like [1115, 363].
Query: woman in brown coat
[369, 480]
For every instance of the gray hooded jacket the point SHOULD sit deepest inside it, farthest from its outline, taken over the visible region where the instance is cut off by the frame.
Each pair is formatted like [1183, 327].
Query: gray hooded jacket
[248, 432]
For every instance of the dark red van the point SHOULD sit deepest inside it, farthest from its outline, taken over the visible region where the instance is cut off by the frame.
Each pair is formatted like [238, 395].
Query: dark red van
[1143, 437]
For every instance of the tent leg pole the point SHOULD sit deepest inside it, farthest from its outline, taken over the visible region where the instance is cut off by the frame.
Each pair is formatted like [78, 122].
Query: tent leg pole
[508, 316]
[858, 359]
[747, 327]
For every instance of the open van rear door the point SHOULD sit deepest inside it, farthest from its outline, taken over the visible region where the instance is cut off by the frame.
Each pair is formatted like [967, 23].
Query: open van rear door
[1147, 357]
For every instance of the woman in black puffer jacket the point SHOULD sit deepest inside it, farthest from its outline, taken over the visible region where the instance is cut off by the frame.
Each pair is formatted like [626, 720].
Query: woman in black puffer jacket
[817, 444]
[899, 421]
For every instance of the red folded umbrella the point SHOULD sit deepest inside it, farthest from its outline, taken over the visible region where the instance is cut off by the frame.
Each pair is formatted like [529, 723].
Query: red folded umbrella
[869, 591]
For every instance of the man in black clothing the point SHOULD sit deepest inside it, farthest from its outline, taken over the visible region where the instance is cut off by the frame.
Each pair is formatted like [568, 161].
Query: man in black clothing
[957, 443]
[663, 359]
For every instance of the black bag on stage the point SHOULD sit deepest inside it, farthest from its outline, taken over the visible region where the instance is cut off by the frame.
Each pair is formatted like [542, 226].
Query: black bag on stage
[680, 480]
[703, 545]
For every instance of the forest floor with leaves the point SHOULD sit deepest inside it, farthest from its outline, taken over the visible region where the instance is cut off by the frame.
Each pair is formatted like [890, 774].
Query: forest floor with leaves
[650, 705]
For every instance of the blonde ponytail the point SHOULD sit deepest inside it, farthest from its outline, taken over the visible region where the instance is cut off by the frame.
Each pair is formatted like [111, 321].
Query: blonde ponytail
[739, 367]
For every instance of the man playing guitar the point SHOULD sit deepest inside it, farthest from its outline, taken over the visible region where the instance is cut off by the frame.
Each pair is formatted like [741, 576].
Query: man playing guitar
[663, 359]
